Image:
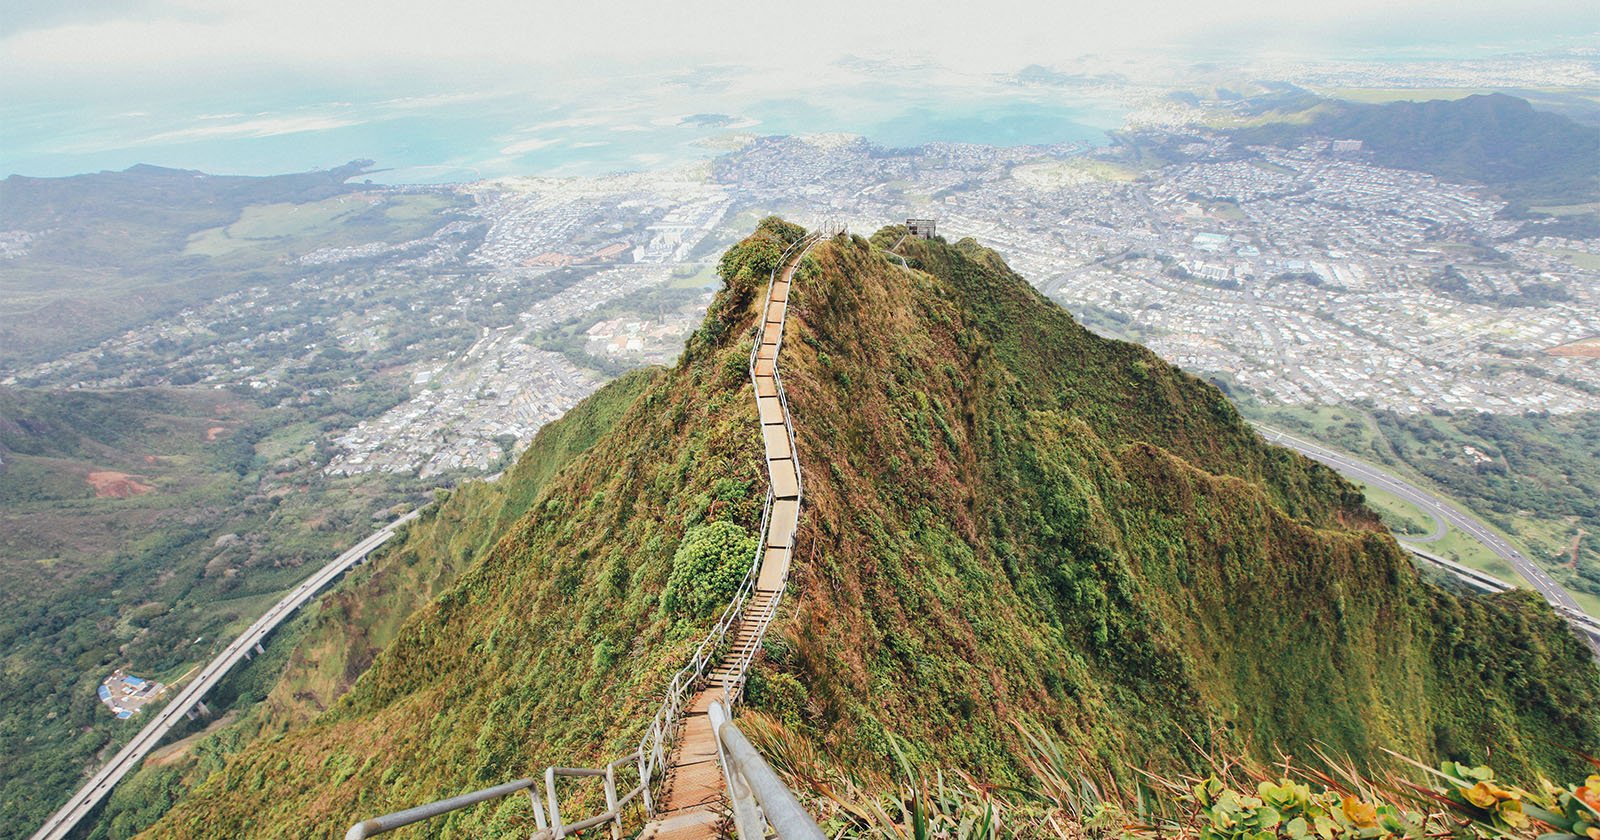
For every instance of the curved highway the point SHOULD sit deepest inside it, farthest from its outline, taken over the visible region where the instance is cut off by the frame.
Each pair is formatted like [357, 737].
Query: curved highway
[1433, 505]
[128, 758]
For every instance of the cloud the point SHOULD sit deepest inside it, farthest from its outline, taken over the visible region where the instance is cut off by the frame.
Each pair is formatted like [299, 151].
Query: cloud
[102, 38]
[261, 127]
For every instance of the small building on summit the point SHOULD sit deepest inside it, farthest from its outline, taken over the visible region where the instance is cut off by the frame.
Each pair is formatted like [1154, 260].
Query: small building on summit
[921, 228]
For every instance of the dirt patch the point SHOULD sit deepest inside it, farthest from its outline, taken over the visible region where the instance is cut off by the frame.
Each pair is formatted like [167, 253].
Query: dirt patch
[177, 749]
[211, 433]
[1584, 347]
[115, 485]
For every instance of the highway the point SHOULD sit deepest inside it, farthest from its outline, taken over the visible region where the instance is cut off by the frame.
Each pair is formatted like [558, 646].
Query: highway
[128, 758]
[1433, 505]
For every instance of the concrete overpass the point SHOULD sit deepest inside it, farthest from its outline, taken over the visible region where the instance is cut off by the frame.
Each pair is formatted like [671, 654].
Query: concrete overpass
[1586, 626]
[128, 758]
[1431, 504]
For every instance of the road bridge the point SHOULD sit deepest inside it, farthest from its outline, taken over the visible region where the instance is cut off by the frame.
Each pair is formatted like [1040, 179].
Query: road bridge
[1446, 514]
[189, 697]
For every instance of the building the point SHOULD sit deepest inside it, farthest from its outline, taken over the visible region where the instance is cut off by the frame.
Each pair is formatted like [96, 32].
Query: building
[612, 251]
[921, 228]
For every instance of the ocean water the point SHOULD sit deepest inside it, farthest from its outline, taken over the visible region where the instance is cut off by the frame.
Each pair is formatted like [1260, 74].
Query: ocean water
[421, 132]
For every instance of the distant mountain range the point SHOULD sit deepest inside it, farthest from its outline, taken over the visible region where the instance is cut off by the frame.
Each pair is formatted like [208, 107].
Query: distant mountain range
[1528, 156]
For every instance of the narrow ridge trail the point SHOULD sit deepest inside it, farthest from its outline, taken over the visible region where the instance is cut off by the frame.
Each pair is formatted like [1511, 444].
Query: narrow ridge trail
[693, 792]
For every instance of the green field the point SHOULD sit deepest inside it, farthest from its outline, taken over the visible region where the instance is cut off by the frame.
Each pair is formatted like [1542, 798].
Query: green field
[1076, 170]
[1402, 517]
[346, 219]
[1567, 209]
[1469, 552]
[700, 276]
[1580, 259]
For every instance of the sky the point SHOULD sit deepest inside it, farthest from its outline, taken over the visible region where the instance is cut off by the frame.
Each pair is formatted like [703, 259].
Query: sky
[467, 88]
[50, 41]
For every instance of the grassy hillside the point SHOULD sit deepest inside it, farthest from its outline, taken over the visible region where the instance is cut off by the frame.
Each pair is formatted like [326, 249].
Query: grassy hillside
[1535, 476]
[1017, 518]
[1008, 519]
[1528, 156]
[322, 652]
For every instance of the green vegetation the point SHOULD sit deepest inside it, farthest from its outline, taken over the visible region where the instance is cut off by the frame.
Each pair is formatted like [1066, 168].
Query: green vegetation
[710, 563]
[343, 220]
[1008, 521]
[1534, 477]
[133, 533]
[316, 658]
[1526, 155]
[1230, 797]
[1398, 515]
[1517, 470]
[114, 250]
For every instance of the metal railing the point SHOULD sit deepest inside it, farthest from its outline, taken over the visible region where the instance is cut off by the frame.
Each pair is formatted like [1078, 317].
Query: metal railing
[758, 797]
[733, 684]
[656, 744]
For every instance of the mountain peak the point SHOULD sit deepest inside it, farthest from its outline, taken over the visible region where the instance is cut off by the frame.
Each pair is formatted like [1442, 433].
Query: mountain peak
[1008, 520]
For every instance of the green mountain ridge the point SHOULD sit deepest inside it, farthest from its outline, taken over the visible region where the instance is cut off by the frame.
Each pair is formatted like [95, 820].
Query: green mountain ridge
[1529, 156]
[1008, 520]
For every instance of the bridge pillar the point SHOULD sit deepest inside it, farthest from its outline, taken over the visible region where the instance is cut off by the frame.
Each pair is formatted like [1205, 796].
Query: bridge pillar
[200, 709]
[259, 649]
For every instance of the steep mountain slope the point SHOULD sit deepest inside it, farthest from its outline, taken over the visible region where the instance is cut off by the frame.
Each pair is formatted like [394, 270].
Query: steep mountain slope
[313, 660]
[1008, 518]
[1527, 155]
[1016, 518]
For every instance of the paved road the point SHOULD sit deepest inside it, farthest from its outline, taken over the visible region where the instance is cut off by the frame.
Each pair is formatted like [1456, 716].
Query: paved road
[1433, 505]
[128, 758]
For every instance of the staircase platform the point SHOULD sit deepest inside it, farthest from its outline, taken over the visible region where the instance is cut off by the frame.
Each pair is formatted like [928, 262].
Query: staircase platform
[693, 801]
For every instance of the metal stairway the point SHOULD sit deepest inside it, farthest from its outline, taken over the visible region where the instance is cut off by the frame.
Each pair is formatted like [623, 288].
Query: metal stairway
[693, 792]
[684, 772]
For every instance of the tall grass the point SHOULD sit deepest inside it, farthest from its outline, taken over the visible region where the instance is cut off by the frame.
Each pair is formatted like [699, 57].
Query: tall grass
[1074, 797]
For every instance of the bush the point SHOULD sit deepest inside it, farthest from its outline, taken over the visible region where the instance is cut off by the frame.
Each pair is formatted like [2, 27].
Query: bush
[707, 568]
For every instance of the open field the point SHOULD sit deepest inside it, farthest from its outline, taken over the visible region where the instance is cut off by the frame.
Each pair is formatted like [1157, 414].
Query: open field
[1579, 259]
[1069, 172]
[356, 218]
[1402, 517]
[706, 273]
[1588, 347]
[1567, 209]
[1469, 552]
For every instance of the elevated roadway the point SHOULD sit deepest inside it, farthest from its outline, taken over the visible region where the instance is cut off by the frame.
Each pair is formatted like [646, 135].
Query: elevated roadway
[128, 758]
[1446, 514]
[1431, 504]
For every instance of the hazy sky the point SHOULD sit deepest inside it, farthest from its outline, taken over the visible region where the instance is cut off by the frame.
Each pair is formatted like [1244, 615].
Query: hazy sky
[47, 40]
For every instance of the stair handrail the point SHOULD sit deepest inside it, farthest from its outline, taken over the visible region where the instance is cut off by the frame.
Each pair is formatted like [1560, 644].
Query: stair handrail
[759, 798]
[655, 744]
